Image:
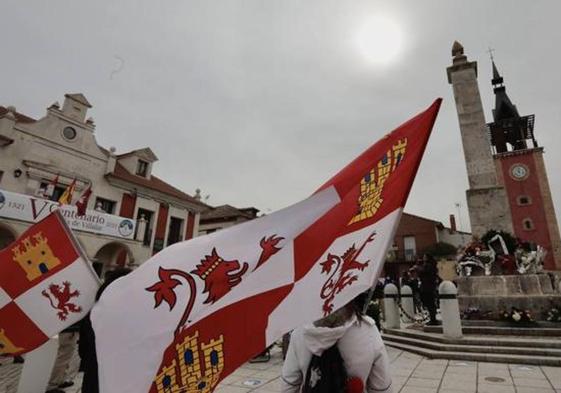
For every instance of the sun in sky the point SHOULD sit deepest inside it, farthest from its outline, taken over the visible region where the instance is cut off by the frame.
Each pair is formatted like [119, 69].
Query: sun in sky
[380, 39]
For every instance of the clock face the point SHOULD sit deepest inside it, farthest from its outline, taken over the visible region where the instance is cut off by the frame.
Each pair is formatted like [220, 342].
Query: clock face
[69, 133]
[519, 171]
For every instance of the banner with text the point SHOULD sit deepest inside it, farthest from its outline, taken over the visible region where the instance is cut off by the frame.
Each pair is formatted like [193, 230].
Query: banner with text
[33, 209]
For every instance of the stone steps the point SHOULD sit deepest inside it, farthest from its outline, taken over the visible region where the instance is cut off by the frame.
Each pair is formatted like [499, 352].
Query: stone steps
[502, 330]
[524, 350]
[478, 357]
[474, 347]
[485, 340]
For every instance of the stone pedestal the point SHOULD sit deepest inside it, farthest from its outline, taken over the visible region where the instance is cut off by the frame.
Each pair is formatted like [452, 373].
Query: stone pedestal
[494, 294]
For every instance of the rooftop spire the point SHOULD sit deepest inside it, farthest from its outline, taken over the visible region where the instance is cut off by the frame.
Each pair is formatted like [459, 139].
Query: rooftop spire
[509, 131]
[497, 78]
[504, 108]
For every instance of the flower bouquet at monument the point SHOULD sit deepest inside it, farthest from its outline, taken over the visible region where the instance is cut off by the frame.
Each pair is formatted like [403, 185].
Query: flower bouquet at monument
[475, 313]
[519, 317]
[554, 314]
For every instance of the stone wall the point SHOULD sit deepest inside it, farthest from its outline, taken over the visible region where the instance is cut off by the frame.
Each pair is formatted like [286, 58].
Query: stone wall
[488, 209]
[494, 294]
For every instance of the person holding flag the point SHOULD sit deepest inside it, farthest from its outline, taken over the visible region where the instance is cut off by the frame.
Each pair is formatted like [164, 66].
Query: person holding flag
[342, 352]
[208, 305]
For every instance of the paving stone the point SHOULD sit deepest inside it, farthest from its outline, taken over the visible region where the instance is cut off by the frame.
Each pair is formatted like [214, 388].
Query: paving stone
[268, 389]
[252, 382]
[552, 371]
[462, 363]
[434, 362]
[415, 389]
[502, 373]
[494, 388]
[455, 383]
[459, 386]
[397, 384]
[459, 377]
[531, 382]
[243, 371]
[423, 382]
[429, 372]
[231, 379]
[232, 389]
[453, 370]
[522, 389]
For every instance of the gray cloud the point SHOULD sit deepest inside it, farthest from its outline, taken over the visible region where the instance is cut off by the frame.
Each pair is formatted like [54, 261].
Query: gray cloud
[258, 102]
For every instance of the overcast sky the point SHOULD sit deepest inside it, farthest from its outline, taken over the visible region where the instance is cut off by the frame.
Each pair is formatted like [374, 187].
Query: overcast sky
[258, 102]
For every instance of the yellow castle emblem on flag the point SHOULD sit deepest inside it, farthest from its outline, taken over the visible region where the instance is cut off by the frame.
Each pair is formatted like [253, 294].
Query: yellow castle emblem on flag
[195, 369]
[6, 345]
[372, 185]
[35, 257]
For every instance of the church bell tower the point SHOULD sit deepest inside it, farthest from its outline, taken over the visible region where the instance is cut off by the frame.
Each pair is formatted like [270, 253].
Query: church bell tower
[521, 171]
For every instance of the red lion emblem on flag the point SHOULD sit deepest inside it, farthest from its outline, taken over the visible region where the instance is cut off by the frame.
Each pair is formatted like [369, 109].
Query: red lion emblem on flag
[59, 296]
[219, 276]
[342, 275]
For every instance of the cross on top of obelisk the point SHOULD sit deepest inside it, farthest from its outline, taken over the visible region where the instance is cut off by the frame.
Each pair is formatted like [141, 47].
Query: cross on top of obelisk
[491, 51]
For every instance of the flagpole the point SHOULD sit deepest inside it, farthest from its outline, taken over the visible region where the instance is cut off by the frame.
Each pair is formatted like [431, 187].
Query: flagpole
[368, 299]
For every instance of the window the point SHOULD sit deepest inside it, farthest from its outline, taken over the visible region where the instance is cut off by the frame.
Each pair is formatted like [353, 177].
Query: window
[524, 200]
[56, 193]
[175, 232]
[1, 174]
[105, 205]
[148, 216]
[528, 224]
[410, 248]
[142, 168]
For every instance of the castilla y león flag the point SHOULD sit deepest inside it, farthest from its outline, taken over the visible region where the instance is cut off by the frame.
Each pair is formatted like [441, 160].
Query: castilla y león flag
[46, 285]
[197, 310]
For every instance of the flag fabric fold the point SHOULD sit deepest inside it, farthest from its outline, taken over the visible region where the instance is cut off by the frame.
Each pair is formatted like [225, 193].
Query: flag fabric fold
[197, 310]
[66, 197]
[46, 285]
[82, 203]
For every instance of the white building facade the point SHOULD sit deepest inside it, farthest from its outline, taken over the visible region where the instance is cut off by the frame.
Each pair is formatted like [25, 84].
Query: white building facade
[131, 214]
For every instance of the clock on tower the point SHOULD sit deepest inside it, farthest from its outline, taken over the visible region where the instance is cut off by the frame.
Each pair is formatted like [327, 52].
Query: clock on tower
[519, 171]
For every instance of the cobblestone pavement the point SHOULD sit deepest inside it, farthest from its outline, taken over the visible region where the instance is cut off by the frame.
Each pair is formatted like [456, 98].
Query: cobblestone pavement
[411, 374]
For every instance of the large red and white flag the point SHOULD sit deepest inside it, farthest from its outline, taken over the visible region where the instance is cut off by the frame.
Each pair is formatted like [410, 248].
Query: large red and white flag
[197, 310]
[46, 285]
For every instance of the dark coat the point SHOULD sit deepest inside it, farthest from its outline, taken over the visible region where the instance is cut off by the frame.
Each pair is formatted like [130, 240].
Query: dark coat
[86, 349]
